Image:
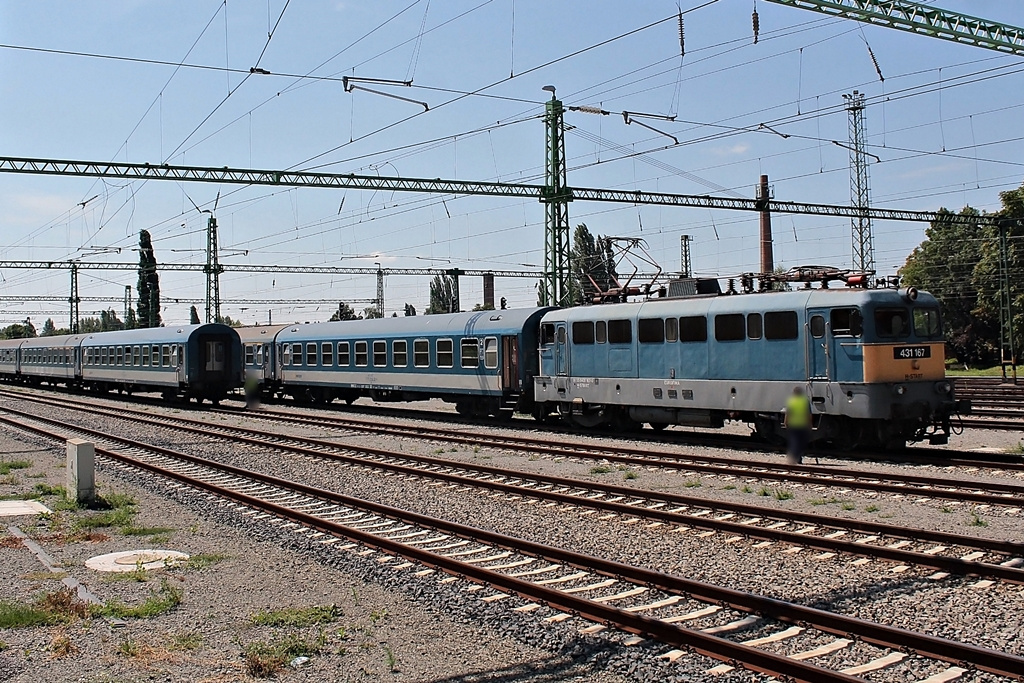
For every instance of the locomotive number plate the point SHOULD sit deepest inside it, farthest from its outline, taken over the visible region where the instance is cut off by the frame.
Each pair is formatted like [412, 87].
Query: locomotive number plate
[909, 352]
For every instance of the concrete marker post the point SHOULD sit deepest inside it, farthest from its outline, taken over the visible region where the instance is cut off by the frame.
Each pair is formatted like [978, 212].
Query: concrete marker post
[81, 471]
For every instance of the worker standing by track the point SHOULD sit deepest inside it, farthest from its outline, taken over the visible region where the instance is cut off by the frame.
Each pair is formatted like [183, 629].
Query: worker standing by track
[798, 425]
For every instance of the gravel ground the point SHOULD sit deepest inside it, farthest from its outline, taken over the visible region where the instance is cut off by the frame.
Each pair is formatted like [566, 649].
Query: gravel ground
[950, 608]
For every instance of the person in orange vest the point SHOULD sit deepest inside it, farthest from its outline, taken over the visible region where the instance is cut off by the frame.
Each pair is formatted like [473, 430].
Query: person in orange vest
[798, 425]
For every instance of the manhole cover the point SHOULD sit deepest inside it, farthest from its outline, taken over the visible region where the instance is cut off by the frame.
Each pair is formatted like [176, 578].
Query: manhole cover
[130, 560]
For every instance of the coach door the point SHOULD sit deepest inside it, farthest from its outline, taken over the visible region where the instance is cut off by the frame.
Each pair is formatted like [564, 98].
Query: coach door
[817, 346]
[561, 350]
[510, 363]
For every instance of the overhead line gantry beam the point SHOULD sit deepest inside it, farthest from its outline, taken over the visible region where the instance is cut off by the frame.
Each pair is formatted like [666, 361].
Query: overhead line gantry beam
[437, 185]
[922, 19]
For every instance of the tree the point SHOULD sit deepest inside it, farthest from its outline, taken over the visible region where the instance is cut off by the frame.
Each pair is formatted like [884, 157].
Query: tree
[410, 310]
[591, 262]
[25, 330]
[89, 325]
[193, 316]
[110, 321]
[49, 329]
[149, 283]
[227, 320]
[131, 321]
[442, 295]
[483, 307]
[987, 274]
[344, 312]
[947, 265]
[370, 312]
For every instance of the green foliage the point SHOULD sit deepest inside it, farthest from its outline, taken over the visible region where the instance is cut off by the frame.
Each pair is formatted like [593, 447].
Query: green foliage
[692, 483]
[203, 560]
[410, 310]
[166, 598]
[371, 312]
[344, 312]
[297, 617]
[264, 660]
[148, 288]
[23, 330]
[18, 615]
[592, 265]
[782, 494]
[60, 606]
[630, 474]
[443, 294]
[872, 508]
[7, 465]
[193, 316]
[49, 329]
[186, 640]
[600, 469]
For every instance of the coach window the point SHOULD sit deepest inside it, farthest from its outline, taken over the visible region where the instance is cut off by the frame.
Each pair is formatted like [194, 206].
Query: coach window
[361, 354]
[620, 332]
[296, 354]
[400, 353]
[421, 353]
[113, 361]
[892, 322]
[250, 354]
[926, 322]
[470, 352]
[286, 357]
[380, 354]
[671, 329]
[137, 356]
[259, 354]
[754, 326]
[729, 327]
[583, 332]
[445, 353]
[491, 352]
[176, 355]
[817, 326]
[650, 330]
[547, 333]
[780, 325]
[846, 322]
[693, 328]
[145, 356]
[343, 355]
[311, 356]
[156, 355]
[601, 332]
[327, 354]
[166, 356]
[103, 355]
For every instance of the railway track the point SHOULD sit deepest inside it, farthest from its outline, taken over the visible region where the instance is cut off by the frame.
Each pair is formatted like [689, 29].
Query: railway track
[558, 585]
[945, 552]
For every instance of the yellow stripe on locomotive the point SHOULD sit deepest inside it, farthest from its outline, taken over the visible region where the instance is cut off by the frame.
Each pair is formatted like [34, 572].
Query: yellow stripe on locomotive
[904, 362]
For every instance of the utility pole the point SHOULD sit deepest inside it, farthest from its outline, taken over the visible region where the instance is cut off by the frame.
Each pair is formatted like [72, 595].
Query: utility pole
[73, 300]
[127, 303]
[767, 257]
[556, 196]
[380, 291]
[456, 300]
[1007, 344]
[860, 193]
[213, 269]
[685, 269]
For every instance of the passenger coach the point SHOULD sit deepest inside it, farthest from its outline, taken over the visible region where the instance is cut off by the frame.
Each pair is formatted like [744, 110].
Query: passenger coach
[872, 361]
[483, 361]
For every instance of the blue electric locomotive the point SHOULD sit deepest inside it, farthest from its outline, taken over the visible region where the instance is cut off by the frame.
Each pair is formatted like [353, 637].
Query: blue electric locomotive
[871, 361]
[482, 361]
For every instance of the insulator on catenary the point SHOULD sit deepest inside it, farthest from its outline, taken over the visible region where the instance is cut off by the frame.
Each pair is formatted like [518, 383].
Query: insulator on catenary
[874, 61]
[756, 22]
[682, 37]
[590, 110]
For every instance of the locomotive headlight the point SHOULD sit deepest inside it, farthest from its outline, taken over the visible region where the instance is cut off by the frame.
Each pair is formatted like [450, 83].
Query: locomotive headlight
[943, 387]
[899, 389]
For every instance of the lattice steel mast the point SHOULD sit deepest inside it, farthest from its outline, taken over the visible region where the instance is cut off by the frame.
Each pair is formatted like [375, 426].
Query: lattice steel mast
[860, 192]
[556, 196]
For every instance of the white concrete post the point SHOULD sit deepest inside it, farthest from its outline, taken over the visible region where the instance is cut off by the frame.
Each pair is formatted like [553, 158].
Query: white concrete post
[81, 479]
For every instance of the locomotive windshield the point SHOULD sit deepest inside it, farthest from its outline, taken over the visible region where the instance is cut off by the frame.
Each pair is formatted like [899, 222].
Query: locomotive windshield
[926, 322]
[846, 322]
[893, 323]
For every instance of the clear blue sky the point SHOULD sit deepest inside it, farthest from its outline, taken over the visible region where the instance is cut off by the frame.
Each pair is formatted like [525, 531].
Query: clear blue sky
[945, 124]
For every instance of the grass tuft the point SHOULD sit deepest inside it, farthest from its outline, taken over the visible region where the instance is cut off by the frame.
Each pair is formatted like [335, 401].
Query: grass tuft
[163, 600]
[297, 617]
[782, 494]
[692, 483]
[204, 560]
[7, 466]
[186, 640]
[600, 469]
[264, 660]
[872, 508]
[630, 474]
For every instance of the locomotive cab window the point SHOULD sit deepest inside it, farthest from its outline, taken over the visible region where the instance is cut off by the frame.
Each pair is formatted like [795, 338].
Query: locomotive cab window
[445, 353]
[380, 354]
[693, 328]
[754, 326]
[846, 322]
[421, 353]
[729, 327]
[781, 325]
[547, 333]
[601, 332]
[327, 354]
[583, 332]
[893, 323]
[311, 357]
[560, 335]
[620, 332]
[671, 329]
[470, 353]
[650, 330]
[817, 326]
[491, 353]
[400, 353]
[361, 354]
[926, 322]
[343, 354]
